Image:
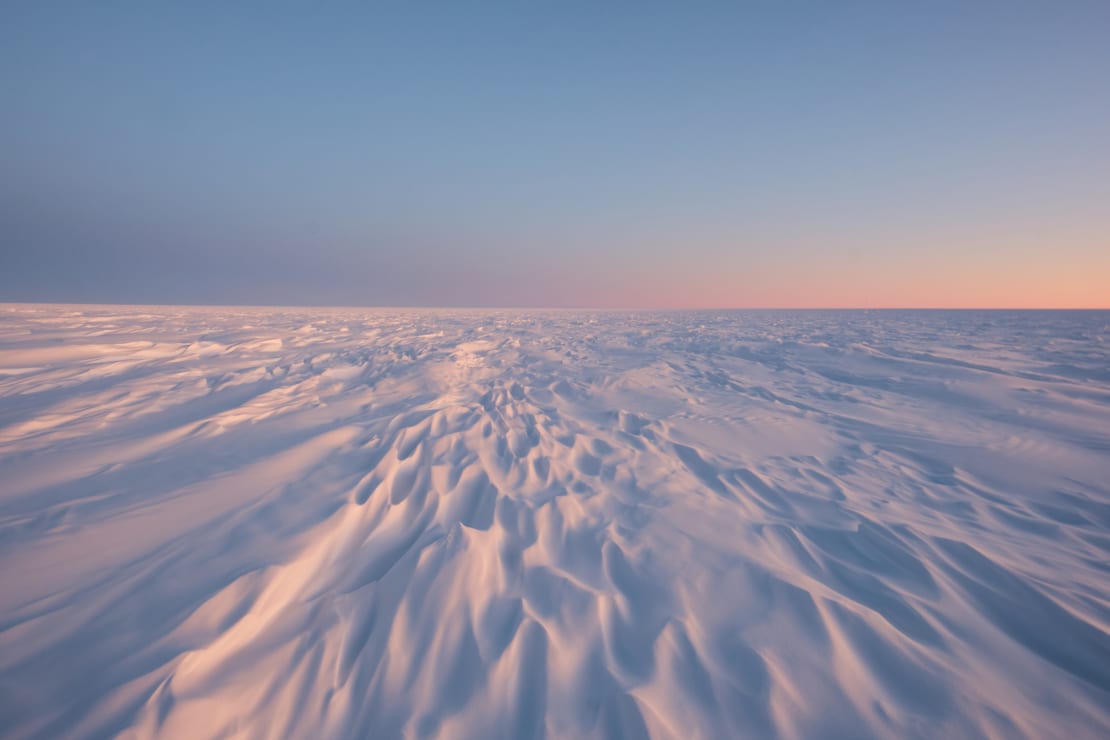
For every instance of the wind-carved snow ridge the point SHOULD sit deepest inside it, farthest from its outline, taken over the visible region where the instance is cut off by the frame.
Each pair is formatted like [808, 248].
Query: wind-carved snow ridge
[341, 523]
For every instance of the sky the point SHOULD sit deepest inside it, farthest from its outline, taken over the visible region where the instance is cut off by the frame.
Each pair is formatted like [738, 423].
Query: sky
[530, 153]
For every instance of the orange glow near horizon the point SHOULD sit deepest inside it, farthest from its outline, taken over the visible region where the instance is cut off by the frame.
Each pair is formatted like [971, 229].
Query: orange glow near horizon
[983, 279]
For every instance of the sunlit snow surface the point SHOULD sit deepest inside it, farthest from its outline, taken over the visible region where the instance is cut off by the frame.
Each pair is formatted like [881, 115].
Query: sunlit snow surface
[339, 523]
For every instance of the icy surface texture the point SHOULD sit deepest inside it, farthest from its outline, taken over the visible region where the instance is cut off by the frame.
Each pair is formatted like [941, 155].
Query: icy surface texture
[339, 523]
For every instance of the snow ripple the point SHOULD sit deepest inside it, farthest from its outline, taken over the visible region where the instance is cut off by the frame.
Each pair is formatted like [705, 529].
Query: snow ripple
[343, 523]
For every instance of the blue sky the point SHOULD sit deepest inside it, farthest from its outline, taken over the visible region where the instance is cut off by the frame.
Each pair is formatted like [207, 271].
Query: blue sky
[556, 153]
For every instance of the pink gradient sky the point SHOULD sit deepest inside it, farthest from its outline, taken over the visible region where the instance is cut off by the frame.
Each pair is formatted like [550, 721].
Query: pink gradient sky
[944, 155]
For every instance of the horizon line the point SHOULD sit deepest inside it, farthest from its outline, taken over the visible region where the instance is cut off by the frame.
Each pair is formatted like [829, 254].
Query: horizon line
[125, 304]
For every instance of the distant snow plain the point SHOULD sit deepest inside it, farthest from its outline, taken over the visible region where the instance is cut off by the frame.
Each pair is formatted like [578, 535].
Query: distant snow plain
[310, 523]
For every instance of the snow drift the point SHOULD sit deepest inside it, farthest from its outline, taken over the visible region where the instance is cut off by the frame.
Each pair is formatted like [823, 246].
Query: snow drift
[341, 523]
